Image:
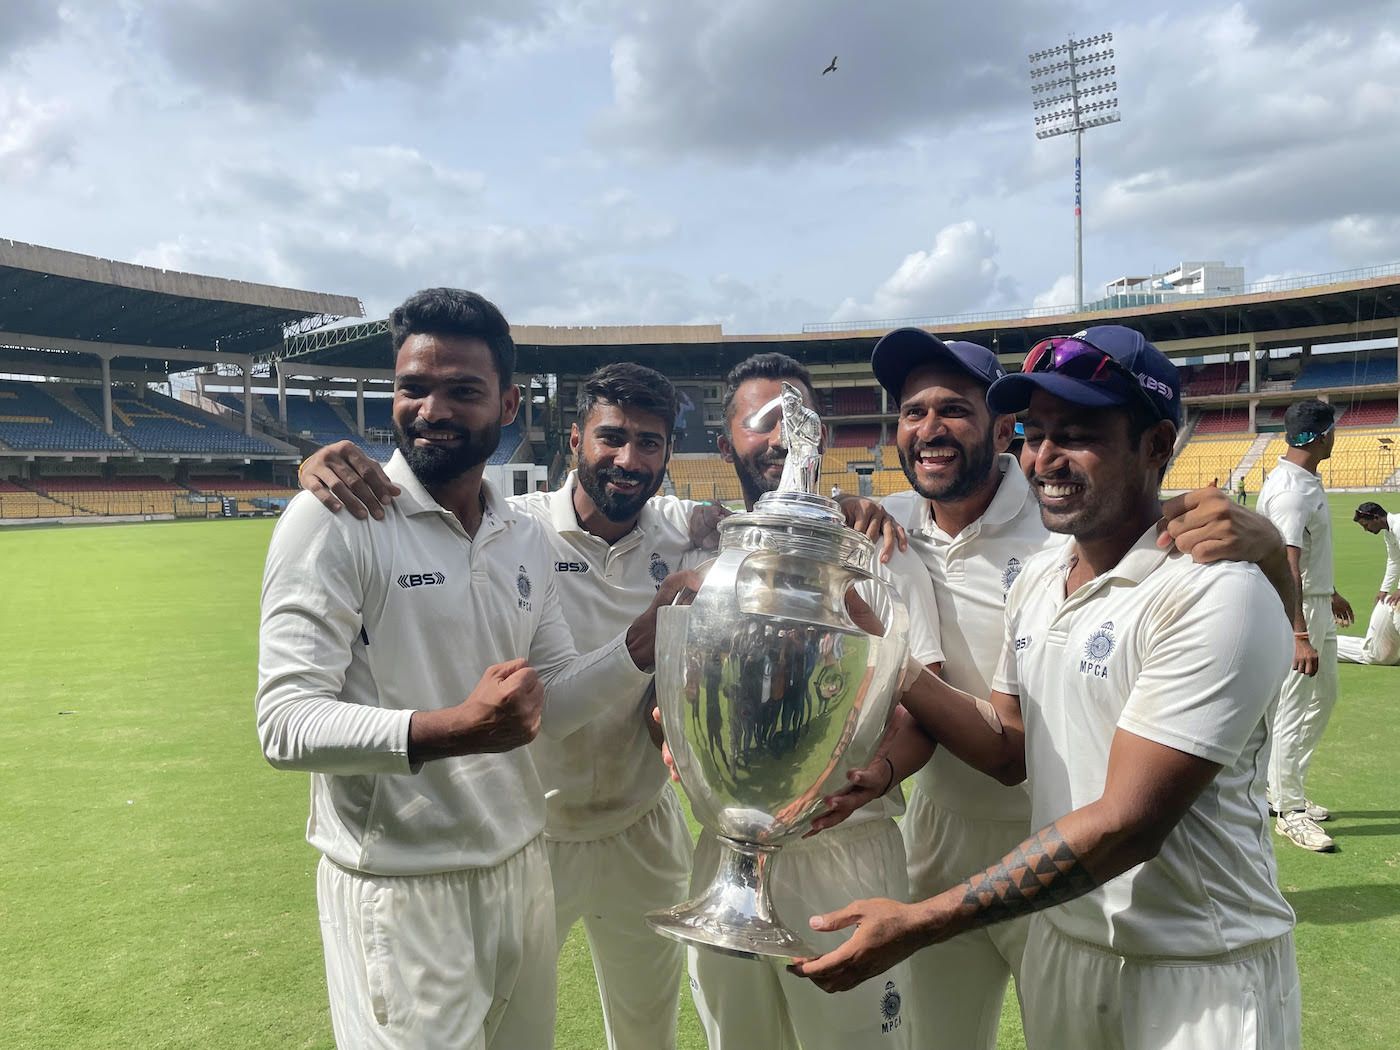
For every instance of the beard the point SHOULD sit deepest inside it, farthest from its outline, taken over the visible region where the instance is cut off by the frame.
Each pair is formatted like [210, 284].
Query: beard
[975, 464]
[1092, 515]
[439, 464]
[753, 478]
[616, 506]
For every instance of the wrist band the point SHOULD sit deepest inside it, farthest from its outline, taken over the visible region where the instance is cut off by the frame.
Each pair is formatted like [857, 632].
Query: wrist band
[891, 781]
[1300, 634]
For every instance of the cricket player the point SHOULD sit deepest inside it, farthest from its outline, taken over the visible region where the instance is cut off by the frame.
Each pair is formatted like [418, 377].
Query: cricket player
[972, 519]
[405, 664]
[1382, 642]
[1133, 694]
[1292, 498]
[745, 1004]
[617, 839]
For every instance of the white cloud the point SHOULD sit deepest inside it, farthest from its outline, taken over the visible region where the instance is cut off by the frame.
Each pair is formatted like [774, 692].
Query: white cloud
[958, 274]
[1362, 240]
[1061, 293]
[34, 136]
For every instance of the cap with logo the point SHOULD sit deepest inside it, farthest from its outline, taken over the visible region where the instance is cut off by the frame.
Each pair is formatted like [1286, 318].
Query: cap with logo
[900, 352]
[1141, 373]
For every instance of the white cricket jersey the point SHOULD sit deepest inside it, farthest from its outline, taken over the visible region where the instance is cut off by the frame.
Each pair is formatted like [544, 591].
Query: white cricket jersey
[916, 591]
[1293, 499]
[1391, 536]
[972, 573]
[1188, 656]
[365, 622]
[608, 773]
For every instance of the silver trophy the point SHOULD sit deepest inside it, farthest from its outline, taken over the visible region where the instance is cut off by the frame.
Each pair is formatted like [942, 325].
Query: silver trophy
[769, 692]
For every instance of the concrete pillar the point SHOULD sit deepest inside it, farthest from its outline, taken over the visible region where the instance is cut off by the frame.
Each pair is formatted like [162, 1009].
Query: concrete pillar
[360, 407]
[248, 396]
[1253, 371]
[281, 396]
[106, 394]
[1253, 413]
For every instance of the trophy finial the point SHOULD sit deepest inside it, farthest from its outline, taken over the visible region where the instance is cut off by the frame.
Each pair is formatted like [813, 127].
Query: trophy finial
[802, 437]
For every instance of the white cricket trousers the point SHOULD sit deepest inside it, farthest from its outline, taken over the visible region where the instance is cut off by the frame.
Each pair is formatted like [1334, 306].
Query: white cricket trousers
[1304, 705]
[462, 960]
[1381, 644]
[959, 985]
[1079, 996]
[611, 884]
[755, 1004]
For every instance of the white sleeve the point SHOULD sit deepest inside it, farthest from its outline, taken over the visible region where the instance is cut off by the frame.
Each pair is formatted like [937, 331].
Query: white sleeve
[1213, 664]
[913, 584]
[577, 689]
[1289, 511]
[312, 596]
[1392, 554]
[1007, 678]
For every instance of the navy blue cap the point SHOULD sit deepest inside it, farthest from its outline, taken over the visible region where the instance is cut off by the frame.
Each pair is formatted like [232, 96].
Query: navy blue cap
[1156, 376]
[900, 352]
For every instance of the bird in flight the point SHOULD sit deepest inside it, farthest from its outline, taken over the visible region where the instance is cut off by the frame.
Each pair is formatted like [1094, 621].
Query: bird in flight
[831, 68]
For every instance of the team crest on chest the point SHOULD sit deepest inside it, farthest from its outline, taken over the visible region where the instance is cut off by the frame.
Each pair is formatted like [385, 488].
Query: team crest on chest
[658, 569]
[1098, 647]
[522, 587]
[1009, 574]
[890, 1003]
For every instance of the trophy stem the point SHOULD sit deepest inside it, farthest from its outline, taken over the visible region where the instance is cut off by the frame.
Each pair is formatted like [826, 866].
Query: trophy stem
[735, 913]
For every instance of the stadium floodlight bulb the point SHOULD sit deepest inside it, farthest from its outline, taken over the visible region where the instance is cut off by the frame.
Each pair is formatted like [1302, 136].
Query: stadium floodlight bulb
[1087, 59]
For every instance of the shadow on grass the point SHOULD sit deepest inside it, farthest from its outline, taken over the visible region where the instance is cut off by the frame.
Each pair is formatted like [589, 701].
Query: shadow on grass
[1342, 834]
[1344, 905]
[1365, 814]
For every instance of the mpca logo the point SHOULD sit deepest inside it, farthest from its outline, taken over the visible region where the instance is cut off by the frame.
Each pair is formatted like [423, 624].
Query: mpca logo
[522, 586]
[1009, 574]
[658, 569]
[890, 1003]
[1098, 647]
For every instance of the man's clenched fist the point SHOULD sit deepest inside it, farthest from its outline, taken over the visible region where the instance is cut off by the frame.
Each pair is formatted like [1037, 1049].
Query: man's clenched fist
[502, 713]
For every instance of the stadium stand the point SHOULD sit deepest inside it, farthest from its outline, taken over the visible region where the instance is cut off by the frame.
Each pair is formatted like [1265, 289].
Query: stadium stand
[1205, 460]
[887, 482]
[1223, 421]
[17, 502]
[1347, 370]
[31, 419]
[134, 494]
[1220, 377]
[1359, 459]
[318, 420]
[1368, 414]
[862, 436]
[704, 477]
[156, 423]
[855, 401]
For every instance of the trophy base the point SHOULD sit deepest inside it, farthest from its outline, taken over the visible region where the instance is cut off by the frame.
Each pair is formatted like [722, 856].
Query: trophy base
[735, 914]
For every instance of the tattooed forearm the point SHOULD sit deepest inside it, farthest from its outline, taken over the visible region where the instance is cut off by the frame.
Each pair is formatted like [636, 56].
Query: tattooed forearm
[1039, 873]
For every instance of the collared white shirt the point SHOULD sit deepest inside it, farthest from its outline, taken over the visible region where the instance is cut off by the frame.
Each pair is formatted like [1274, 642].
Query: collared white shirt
[608, 773]
[1188, 656]
[365, 622]
[1293, 499]
[972, 573]
[1391, 536]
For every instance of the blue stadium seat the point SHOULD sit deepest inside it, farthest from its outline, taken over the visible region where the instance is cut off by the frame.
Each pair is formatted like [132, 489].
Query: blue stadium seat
[1347, 370]
[156, 423]
[32, 420]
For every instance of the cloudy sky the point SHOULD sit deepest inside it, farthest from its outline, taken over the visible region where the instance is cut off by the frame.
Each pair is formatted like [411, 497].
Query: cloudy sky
[602, 161]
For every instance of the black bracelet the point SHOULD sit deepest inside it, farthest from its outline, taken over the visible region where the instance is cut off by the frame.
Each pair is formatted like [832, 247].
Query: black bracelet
[891, 783]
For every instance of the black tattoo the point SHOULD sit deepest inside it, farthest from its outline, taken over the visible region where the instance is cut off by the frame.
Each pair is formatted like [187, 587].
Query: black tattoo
[1039, 873]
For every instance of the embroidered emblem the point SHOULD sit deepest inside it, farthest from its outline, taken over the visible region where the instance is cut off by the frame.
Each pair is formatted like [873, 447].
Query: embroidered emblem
[1100, 643]
[522, 582]
[890, 1003]
[658, 569]
[1009, 574]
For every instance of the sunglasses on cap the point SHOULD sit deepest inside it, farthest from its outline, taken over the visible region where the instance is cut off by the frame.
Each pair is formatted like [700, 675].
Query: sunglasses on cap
[1068, 355]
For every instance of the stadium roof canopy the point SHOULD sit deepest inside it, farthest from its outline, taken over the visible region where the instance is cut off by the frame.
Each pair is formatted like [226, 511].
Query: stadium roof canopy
[1332, 308]
[58, 309]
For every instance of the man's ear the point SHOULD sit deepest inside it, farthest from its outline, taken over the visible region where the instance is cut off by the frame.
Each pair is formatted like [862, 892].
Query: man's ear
[1003, 431]
[1161, 440]
[575, 438]
[725, 446]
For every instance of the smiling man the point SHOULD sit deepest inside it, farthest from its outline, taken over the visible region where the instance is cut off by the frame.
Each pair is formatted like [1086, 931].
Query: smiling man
[434, 890]
[1131, 692]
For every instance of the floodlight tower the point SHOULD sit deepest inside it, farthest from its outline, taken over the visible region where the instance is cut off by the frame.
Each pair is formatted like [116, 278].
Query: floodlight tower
[1083, 68]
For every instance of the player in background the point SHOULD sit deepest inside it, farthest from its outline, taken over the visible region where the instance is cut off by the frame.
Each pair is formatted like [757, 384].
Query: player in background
[1292, 498]
[1382, 642]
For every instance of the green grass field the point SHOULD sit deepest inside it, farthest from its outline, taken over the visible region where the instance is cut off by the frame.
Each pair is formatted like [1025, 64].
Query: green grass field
[155, 890]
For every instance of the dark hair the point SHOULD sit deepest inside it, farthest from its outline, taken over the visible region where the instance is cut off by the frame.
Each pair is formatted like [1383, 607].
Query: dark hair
[1141, 419]
[1306, 421]
[632, 386]
[1369, 510]
[456, 312]
[765, 366]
